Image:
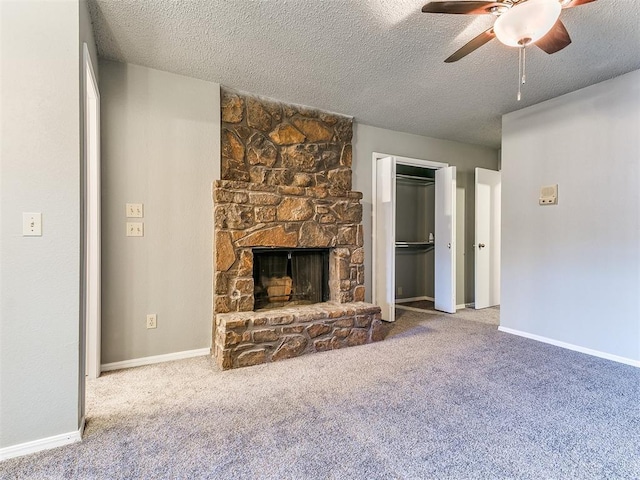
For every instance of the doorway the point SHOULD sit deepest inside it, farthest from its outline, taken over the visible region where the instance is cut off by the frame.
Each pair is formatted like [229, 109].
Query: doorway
[415, 241]
[413, 232]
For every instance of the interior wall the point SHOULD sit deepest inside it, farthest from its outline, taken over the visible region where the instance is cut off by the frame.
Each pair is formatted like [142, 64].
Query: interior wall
[465, 157]
[39, 172]
[160, 147]
[571, 272]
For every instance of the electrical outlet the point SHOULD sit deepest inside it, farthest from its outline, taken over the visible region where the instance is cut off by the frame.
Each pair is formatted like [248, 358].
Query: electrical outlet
[135, 229]
[31, 224]
[399, 290]
[152, 320]
[135, 210]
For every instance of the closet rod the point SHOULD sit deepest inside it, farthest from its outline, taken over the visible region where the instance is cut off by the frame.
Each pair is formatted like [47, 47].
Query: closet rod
[412, 177]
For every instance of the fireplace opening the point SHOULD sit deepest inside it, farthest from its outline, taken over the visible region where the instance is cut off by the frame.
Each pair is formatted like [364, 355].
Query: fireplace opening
[286, 277]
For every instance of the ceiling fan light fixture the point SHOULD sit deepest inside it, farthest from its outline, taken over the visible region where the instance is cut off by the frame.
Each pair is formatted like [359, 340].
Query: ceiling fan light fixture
[527, 22]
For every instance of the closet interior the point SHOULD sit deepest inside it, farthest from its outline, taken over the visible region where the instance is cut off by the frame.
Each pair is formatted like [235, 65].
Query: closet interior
[414, 239]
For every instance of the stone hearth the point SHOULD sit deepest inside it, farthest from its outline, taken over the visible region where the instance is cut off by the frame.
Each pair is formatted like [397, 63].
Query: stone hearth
[286, 183]
[250, 338]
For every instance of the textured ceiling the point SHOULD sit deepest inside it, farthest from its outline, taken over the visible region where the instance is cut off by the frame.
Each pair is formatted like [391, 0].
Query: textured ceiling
[380, 61]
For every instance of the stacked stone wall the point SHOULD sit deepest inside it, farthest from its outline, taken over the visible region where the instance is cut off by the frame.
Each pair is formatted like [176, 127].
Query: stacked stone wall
[268, 142]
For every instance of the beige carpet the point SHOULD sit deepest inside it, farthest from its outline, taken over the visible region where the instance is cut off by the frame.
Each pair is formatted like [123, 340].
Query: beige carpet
[444, 397]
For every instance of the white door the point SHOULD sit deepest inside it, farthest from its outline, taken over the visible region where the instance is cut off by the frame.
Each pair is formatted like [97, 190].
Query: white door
[92, 220]
[384, 237]
[487, 238]
[445, 240]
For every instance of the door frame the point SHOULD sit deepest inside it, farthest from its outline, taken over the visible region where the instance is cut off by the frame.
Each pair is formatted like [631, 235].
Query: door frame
[399, 160]
[91, 219]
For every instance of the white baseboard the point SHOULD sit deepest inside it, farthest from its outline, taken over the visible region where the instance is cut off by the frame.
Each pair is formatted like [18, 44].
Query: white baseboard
[42, 444]
[138, 362]
[570, 346]
[461, 306]
[413, 299]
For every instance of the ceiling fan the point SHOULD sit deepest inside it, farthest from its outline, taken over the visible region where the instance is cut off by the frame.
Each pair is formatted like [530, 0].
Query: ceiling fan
[519, 23]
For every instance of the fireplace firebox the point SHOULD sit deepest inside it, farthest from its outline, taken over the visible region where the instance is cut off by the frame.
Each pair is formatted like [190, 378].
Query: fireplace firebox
[286, 277]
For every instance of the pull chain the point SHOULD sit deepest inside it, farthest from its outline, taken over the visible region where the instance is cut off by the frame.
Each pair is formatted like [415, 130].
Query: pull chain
[524, 64]
[522, 67]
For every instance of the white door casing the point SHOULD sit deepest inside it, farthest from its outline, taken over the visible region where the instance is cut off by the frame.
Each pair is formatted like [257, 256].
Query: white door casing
[445, 240]
[384, 237]
[487, 238]
[92, 287]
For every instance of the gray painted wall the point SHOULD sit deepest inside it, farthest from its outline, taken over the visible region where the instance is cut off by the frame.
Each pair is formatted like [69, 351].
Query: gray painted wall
[39, 171]
[160, 147]
[571, 272]
[465, 157]
[86, 35]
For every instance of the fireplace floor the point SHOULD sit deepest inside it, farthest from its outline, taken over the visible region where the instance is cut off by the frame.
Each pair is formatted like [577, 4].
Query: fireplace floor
[292, 303]
[249, 338]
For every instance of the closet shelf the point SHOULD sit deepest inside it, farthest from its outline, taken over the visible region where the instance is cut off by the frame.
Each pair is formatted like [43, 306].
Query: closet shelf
[421, 245]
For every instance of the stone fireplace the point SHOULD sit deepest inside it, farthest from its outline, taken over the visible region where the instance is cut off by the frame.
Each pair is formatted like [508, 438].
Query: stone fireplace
[289, 257]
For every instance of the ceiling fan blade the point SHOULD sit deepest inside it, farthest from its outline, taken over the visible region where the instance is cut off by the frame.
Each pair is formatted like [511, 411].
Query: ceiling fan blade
[556, 39]
[576, 3]
[474, 44]
[461, 7]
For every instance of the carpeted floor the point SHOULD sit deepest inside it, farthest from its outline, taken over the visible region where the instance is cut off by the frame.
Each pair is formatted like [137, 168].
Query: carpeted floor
[419, 304]
[444, 397]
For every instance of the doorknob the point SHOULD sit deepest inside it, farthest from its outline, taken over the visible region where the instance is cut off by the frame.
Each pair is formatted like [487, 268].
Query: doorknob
[481, 245]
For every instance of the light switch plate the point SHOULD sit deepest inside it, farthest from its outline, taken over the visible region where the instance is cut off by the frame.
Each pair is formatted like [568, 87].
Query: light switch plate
[135, 210]
[135, 229]
[31, 224]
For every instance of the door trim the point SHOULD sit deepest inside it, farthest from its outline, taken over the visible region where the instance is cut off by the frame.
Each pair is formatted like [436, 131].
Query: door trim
[91, 219]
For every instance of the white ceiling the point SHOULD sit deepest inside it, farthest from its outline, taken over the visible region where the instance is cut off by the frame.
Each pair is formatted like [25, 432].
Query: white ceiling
[380, 61]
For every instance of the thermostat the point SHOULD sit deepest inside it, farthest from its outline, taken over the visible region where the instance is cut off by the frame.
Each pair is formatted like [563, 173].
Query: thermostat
[549, 195]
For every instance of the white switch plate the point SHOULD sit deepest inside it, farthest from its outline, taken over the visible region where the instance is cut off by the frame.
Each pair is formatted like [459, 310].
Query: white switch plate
[31, 224]
[135, 210]
[152, 321]
[135, 229]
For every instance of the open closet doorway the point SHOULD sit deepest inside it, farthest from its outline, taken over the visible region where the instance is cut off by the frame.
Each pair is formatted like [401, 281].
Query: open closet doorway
[413, 233]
